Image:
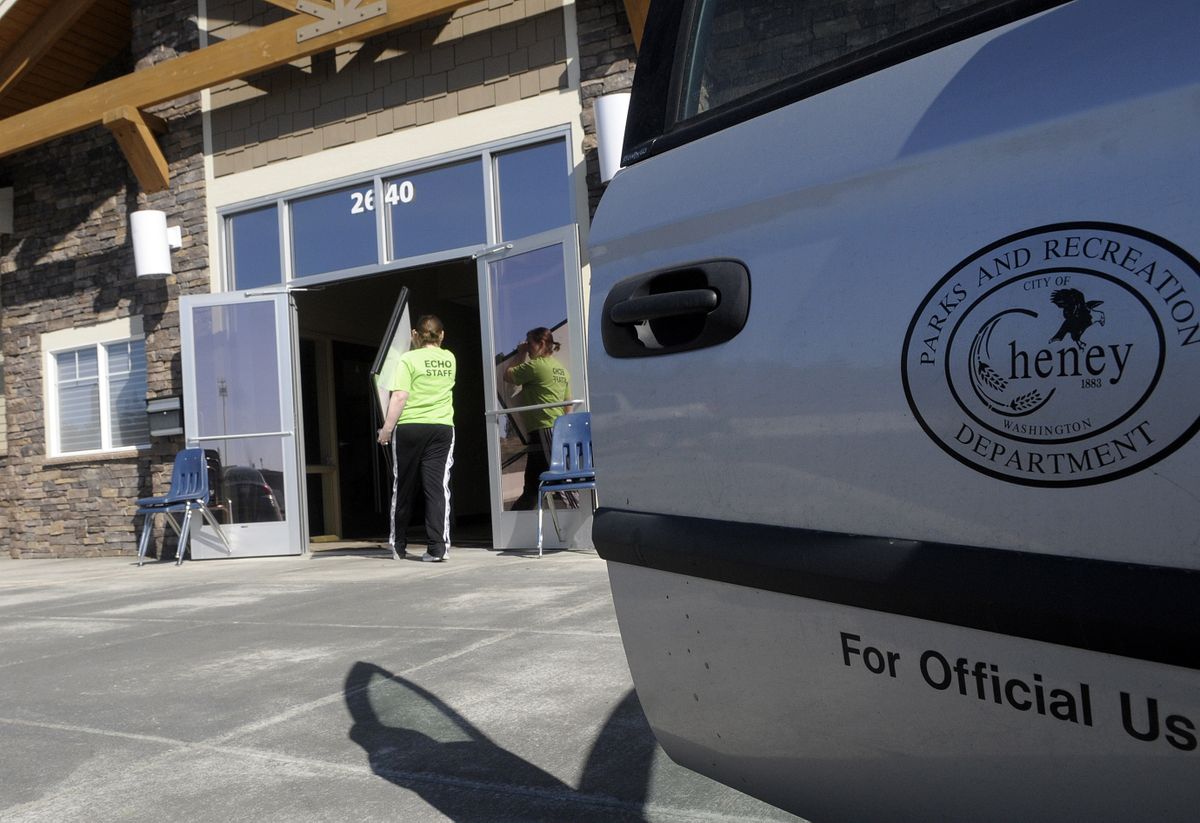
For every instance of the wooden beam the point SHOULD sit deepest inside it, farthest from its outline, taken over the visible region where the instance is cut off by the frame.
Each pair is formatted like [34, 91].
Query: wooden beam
[134, 131]
[38, 39]
[290, 5]
[636, 11]
[271, 46]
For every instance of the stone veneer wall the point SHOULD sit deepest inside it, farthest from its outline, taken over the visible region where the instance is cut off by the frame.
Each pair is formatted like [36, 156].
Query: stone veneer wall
[3, 403]
[483, 55]
[69, 263]
[606, 62]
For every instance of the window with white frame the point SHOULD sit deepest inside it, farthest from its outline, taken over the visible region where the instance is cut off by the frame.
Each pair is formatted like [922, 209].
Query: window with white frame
[96, 393]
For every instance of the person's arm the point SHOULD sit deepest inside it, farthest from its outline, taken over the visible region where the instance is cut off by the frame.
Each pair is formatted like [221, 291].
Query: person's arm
[396, 401]
[510, 375]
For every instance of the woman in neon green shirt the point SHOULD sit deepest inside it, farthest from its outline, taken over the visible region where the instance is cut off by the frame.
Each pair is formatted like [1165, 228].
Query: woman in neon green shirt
[420, 426]
[543, 379]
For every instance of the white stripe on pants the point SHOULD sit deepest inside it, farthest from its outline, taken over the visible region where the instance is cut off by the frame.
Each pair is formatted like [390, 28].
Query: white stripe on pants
[427, 448]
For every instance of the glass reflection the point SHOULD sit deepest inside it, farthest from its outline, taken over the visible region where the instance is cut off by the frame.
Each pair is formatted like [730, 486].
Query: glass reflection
[78, 400]
[334, 231]
[528, 292]
[535, 191]
[437, 209]
[254, 242]
[127, 392]
[246, 478]
[237, 369]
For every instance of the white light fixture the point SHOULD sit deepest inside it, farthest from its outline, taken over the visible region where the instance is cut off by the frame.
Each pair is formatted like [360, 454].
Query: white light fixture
[6, 210]
[152, 242]
[611, 112]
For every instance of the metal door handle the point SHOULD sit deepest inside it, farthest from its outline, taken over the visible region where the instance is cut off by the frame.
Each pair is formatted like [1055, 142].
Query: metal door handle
[538, 407]
[658, 306]
[677, 309]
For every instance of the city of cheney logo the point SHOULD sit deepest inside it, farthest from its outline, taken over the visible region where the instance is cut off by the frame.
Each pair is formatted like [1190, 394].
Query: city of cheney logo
[1062, 356]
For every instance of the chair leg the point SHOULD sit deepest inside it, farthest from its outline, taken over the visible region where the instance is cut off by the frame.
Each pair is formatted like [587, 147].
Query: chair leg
[144, 543]
[554, 518]
[184, 535]
[539, 507]
[212, 521]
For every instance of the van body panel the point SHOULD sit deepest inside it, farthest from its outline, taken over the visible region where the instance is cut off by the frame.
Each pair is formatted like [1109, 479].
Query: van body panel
[756, 694]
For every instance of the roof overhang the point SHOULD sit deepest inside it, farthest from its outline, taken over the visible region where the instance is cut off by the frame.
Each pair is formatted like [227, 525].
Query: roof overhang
[36, 36]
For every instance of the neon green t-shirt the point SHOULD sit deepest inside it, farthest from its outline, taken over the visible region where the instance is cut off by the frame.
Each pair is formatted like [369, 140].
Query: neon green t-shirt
[542, 380]
[427, 374]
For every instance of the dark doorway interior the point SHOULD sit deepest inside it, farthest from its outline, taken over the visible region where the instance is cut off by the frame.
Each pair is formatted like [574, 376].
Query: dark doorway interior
[340, 326]
[361, 491]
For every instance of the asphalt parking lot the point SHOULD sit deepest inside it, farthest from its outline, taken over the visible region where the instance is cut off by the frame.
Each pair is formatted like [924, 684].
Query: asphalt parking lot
[333, 687]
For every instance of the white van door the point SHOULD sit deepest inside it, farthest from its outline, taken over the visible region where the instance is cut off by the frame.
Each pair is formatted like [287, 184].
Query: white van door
[893, 363]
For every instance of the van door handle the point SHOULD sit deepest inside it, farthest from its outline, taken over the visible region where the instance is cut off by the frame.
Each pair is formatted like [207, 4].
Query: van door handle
[658, 306]
[676, 309]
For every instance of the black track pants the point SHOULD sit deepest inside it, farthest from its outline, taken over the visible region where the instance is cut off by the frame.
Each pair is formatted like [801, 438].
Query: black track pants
[429, 449]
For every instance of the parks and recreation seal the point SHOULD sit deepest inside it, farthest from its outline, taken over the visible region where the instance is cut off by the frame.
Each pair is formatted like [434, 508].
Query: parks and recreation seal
[1064, 355]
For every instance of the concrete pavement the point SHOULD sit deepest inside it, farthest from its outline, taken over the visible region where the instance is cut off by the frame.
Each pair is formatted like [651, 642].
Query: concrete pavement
[343, 686]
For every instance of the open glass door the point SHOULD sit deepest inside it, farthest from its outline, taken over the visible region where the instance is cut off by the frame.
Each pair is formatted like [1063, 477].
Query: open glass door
[240, 407]
[396, 342]
[528, 284]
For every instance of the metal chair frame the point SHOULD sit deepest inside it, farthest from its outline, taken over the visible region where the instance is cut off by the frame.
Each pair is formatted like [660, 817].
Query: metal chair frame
[189, 493]
[571, 466]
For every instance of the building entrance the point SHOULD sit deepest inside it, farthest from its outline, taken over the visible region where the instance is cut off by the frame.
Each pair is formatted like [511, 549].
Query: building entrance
[277, 389]
[348, 477]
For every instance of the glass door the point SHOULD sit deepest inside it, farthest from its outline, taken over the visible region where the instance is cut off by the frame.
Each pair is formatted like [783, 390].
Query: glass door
[240, 407]
[530, 284]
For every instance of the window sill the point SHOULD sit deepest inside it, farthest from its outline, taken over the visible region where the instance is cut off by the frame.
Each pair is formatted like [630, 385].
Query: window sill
[96, 457]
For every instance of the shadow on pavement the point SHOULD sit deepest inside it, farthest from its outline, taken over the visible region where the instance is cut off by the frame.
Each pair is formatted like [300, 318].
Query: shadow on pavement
[416, 741]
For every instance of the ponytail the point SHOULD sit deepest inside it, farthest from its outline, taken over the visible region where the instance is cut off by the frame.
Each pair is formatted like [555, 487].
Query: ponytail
[428, 331]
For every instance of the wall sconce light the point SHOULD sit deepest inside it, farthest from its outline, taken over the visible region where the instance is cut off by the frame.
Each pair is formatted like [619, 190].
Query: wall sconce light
[152, 242]
[165, 415]
[6, 210]
[611, 112]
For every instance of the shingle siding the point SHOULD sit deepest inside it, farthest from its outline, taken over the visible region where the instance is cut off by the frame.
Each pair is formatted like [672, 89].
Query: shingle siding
[485, 54]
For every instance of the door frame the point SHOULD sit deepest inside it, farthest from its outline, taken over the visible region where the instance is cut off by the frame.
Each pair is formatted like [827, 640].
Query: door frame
[289, 536]
[518, 529]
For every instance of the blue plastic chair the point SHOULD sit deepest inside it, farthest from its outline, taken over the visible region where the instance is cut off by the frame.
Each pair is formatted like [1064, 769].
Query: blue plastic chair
[571, 468]
[189, 493]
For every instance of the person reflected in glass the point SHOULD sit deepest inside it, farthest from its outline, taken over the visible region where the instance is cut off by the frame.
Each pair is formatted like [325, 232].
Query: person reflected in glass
[543, 379]
[419, 425]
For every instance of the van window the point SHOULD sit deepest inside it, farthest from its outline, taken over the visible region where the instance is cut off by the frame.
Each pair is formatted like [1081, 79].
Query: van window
[739, 47]
[731, 60]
